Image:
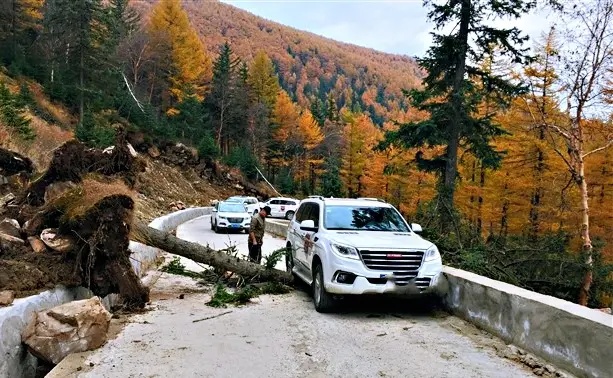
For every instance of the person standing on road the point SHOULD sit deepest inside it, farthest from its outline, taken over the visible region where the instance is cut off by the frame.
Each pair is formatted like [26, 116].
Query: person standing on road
[256, 234]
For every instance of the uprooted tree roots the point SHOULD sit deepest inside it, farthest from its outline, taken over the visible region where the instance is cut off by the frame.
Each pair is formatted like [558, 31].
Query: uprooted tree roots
[85, 196]
[13, 163]
[73, 160]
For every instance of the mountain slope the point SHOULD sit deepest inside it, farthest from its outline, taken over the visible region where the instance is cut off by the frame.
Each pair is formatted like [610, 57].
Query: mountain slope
[308, 65]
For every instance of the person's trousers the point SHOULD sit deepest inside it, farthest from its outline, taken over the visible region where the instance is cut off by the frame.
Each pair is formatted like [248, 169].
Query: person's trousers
[255, 253]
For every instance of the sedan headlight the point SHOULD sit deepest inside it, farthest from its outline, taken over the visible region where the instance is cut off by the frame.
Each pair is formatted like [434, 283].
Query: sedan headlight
[345, 251]
[432, 254]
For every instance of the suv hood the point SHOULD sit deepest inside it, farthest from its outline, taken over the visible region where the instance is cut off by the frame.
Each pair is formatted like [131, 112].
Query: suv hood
[380, 239]
[233, 215]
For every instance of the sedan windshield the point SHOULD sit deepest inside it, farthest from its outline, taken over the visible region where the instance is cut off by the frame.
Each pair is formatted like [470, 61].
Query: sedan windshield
[232, 207]
[363, 218]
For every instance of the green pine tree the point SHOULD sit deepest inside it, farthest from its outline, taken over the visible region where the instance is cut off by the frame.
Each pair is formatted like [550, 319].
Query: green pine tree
[188, 123]
[222, 97]
[456, 85]
[331, 109]
[79, 30]
[12, 113]
[331, 184]
[319, 111]
[238, 114]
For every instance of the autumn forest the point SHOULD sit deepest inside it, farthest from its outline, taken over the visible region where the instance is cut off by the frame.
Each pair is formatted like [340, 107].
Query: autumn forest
[499, 147]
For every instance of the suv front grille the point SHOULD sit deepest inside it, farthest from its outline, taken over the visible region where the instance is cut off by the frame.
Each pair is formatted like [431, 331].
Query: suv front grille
[403, 264]
[235, 220]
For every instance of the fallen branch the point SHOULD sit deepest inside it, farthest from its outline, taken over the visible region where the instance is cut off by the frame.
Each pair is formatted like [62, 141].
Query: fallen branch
[211, 317]
[205, 255]
[140, 106]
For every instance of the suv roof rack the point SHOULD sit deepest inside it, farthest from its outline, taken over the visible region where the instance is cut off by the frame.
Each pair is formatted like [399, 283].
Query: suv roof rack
[318, 197]
[371, 199]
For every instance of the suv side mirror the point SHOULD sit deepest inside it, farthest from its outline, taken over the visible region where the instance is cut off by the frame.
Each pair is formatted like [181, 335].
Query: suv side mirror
[308, 225]
[416, 228]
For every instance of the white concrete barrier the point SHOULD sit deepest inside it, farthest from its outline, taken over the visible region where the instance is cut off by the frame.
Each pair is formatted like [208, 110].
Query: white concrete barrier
[15, 361]
[144, 256]
[276, 228]
[170, 221]
[570, 336]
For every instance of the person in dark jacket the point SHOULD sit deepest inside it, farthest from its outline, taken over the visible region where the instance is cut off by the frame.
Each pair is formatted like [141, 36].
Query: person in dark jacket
[256, 235]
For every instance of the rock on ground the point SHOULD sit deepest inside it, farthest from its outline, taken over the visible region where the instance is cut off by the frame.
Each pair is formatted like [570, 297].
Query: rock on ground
[37, 245]
[6, 297]
[10, 227]
[69, 328]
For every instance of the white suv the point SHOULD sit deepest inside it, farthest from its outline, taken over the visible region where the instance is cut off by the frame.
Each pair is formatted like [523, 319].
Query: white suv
[230, 216]
[251, 203]
[359, 246]
[281, 207]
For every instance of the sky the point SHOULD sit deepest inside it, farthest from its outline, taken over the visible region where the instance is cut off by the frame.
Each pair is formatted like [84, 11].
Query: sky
[393, 26]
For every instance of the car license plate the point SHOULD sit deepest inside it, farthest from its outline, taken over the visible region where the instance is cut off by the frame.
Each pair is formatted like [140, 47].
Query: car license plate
[235, 225]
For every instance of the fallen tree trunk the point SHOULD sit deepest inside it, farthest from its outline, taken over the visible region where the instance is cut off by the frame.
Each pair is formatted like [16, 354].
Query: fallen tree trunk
[205, 255]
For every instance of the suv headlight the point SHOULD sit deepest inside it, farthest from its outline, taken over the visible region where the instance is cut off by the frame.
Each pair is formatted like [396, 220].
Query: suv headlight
[223, 218]
[432, 254]
[345, 251]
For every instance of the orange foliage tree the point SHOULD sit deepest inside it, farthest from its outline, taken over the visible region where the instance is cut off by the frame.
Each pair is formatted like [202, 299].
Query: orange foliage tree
[359, 165]
[189, 69]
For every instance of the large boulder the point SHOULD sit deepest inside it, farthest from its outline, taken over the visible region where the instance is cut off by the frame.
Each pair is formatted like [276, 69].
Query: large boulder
[6, 297]
[8, 239]
[37, 245]
[58, 189]
[10, 227]
[73, 327]
[56, 242]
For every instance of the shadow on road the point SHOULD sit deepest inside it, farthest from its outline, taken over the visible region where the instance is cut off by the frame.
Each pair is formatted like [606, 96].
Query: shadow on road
[381, 306]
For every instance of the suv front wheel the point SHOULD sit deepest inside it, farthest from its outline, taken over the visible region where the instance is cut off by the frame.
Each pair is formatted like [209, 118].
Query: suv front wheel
[324, 302]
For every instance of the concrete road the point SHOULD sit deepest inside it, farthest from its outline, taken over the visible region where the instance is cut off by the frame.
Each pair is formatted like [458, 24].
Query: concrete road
[199, 231]
[283, 336]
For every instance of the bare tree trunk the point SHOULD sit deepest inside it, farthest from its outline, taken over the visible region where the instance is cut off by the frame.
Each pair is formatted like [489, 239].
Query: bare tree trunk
[480, 200]
[219, 131]
[447, 189]
[586, 64]
[205, 255]
[81, 89]
[471, 214]
[587, 247]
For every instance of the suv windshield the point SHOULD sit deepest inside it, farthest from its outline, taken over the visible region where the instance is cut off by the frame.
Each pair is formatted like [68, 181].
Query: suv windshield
[361, 218]
[231, 207]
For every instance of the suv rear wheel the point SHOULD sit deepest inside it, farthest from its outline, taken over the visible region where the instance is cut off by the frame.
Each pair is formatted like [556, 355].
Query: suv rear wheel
[289, 215]
[289, 260]
[324, 302]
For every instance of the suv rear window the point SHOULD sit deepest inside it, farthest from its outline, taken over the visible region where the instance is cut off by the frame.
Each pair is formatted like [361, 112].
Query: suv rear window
[360, 218]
